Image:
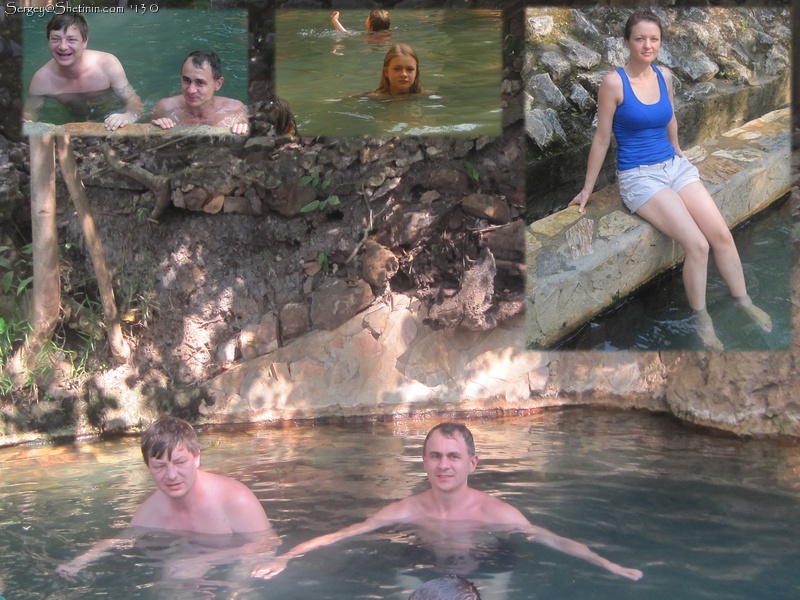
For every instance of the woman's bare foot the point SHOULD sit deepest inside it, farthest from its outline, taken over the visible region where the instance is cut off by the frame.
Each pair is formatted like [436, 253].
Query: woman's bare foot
[759, 317]
[705, 329]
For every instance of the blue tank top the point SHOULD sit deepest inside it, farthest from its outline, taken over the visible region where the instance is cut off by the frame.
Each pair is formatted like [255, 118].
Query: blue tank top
[641, 129]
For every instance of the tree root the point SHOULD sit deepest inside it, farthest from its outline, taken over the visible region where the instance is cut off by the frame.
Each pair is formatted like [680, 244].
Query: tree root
[158, 184]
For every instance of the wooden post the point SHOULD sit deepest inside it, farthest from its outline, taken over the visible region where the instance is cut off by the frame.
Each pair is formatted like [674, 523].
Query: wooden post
[46, 301]
[69, 169]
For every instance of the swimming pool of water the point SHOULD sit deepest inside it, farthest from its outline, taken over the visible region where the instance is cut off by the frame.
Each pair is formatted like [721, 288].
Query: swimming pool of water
[322, 73]
[704, 516]
[151, 47]
[657, 317]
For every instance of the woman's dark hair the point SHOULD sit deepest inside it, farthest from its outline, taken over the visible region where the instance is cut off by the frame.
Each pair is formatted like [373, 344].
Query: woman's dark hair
[638, 17]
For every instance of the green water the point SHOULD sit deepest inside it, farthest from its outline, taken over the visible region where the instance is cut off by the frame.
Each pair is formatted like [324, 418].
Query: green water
[322, 73]
[658, 317]
[702, 516]
[151, 47]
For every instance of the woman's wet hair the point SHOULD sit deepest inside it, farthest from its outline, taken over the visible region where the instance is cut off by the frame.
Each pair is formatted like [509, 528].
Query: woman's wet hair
[399, 50]
[450, 430]
[450, 587]
[281, 117]
[379, 20]
[639, 16]
[66, 20]
[201, 57]
[166, 434]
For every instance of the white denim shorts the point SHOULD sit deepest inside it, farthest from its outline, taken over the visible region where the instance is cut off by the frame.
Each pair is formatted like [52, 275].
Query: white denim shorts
[639, 184]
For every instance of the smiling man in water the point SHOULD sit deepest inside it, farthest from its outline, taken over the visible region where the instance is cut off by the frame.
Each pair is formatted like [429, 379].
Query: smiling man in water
[86, 81]
[450, 514]
[201, 77]
[191, 501]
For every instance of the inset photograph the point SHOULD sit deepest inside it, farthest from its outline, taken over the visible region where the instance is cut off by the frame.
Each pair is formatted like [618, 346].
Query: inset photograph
[404, 72]
[658, 179]
[135, 72]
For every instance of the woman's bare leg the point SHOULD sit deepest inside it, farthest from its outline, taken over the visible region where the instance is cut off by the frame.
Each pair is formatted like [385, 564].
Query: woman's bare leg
[667, 212]
[710, 221]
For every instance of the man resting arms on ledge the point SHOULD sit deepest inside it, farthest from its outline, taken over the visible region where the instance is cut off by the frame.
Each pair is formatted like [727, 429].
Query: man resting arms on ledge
[201, 77]
[85, 81]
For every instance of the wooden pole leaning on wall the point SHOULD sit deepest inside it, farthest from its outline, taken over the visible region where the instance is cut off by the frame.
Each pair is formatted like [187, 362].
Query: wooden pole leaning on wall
[46, 297]
[69, 170]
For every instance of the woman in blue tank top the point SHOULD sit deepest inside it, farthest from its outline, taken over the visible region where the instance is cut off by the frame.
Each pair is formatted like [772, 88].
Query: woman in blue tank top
[656, 181]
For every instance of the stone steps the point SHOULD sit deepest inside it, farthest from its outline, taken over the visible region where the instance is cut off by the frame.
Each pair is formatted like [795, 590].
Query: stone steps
[581, 264]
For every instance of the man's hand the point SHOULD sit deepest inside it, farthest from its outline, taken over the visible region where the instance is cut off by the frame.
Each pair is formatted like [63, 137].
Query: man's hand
[69, 570]
[634, 574]
[164, 123]
[117, 120]
[240, 128]
[271, 569]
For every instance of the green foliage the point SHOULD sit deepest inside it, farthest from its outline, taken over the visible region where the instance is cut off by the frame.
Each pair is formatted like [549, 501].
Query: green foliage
[314, 179]
[16, 278]
[15, 327]
[324, 260]
[472, 171]
[331, 200]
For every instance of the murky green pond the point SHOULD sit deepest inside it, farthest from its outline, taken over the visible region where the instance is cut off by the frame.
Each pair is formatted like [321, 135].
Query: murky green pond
[323, 73]
[704, 516]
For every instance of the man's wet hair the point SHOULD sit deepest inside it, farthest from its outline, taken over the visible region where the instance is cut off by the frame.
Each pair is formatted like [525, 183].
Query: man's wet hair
[201, 57]
[379, 20]
[449, 429]
[66, 20]
[451, 587]
[166, 434]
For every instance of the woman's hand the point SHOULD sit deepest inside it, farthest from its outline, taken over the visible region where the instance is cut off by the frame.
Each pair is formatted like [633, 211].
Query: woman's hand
[580, 200]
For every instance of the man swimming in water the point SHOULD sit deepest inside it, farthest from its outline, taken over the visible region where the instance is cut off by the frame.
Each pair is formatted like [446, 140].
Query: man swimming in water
[83, 80]
[201, 77]
[450, 510]
[191, 501]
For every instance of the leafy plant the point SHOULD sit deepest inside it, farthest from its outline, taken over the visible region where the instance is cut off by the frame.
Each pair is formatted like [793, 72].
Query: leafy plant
[472, 171]
[13, 282]
[324, 260]
[314, 179]
[331, 200]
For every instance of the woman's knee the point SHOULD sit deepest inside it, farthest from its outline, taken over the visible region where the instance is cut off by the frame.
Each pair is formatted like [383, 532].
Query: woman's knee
[696, 246]
[721, 240]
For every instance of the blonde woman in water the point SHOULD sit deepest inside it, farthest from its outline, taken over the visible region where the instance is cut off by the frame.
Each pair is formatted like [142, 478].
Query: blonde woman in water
[400, 75]
[656, 181]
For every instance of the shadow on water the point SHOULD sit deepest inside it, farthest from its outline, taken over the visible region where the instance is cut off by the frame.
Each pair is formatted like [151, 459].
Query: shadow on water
[657, 317]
